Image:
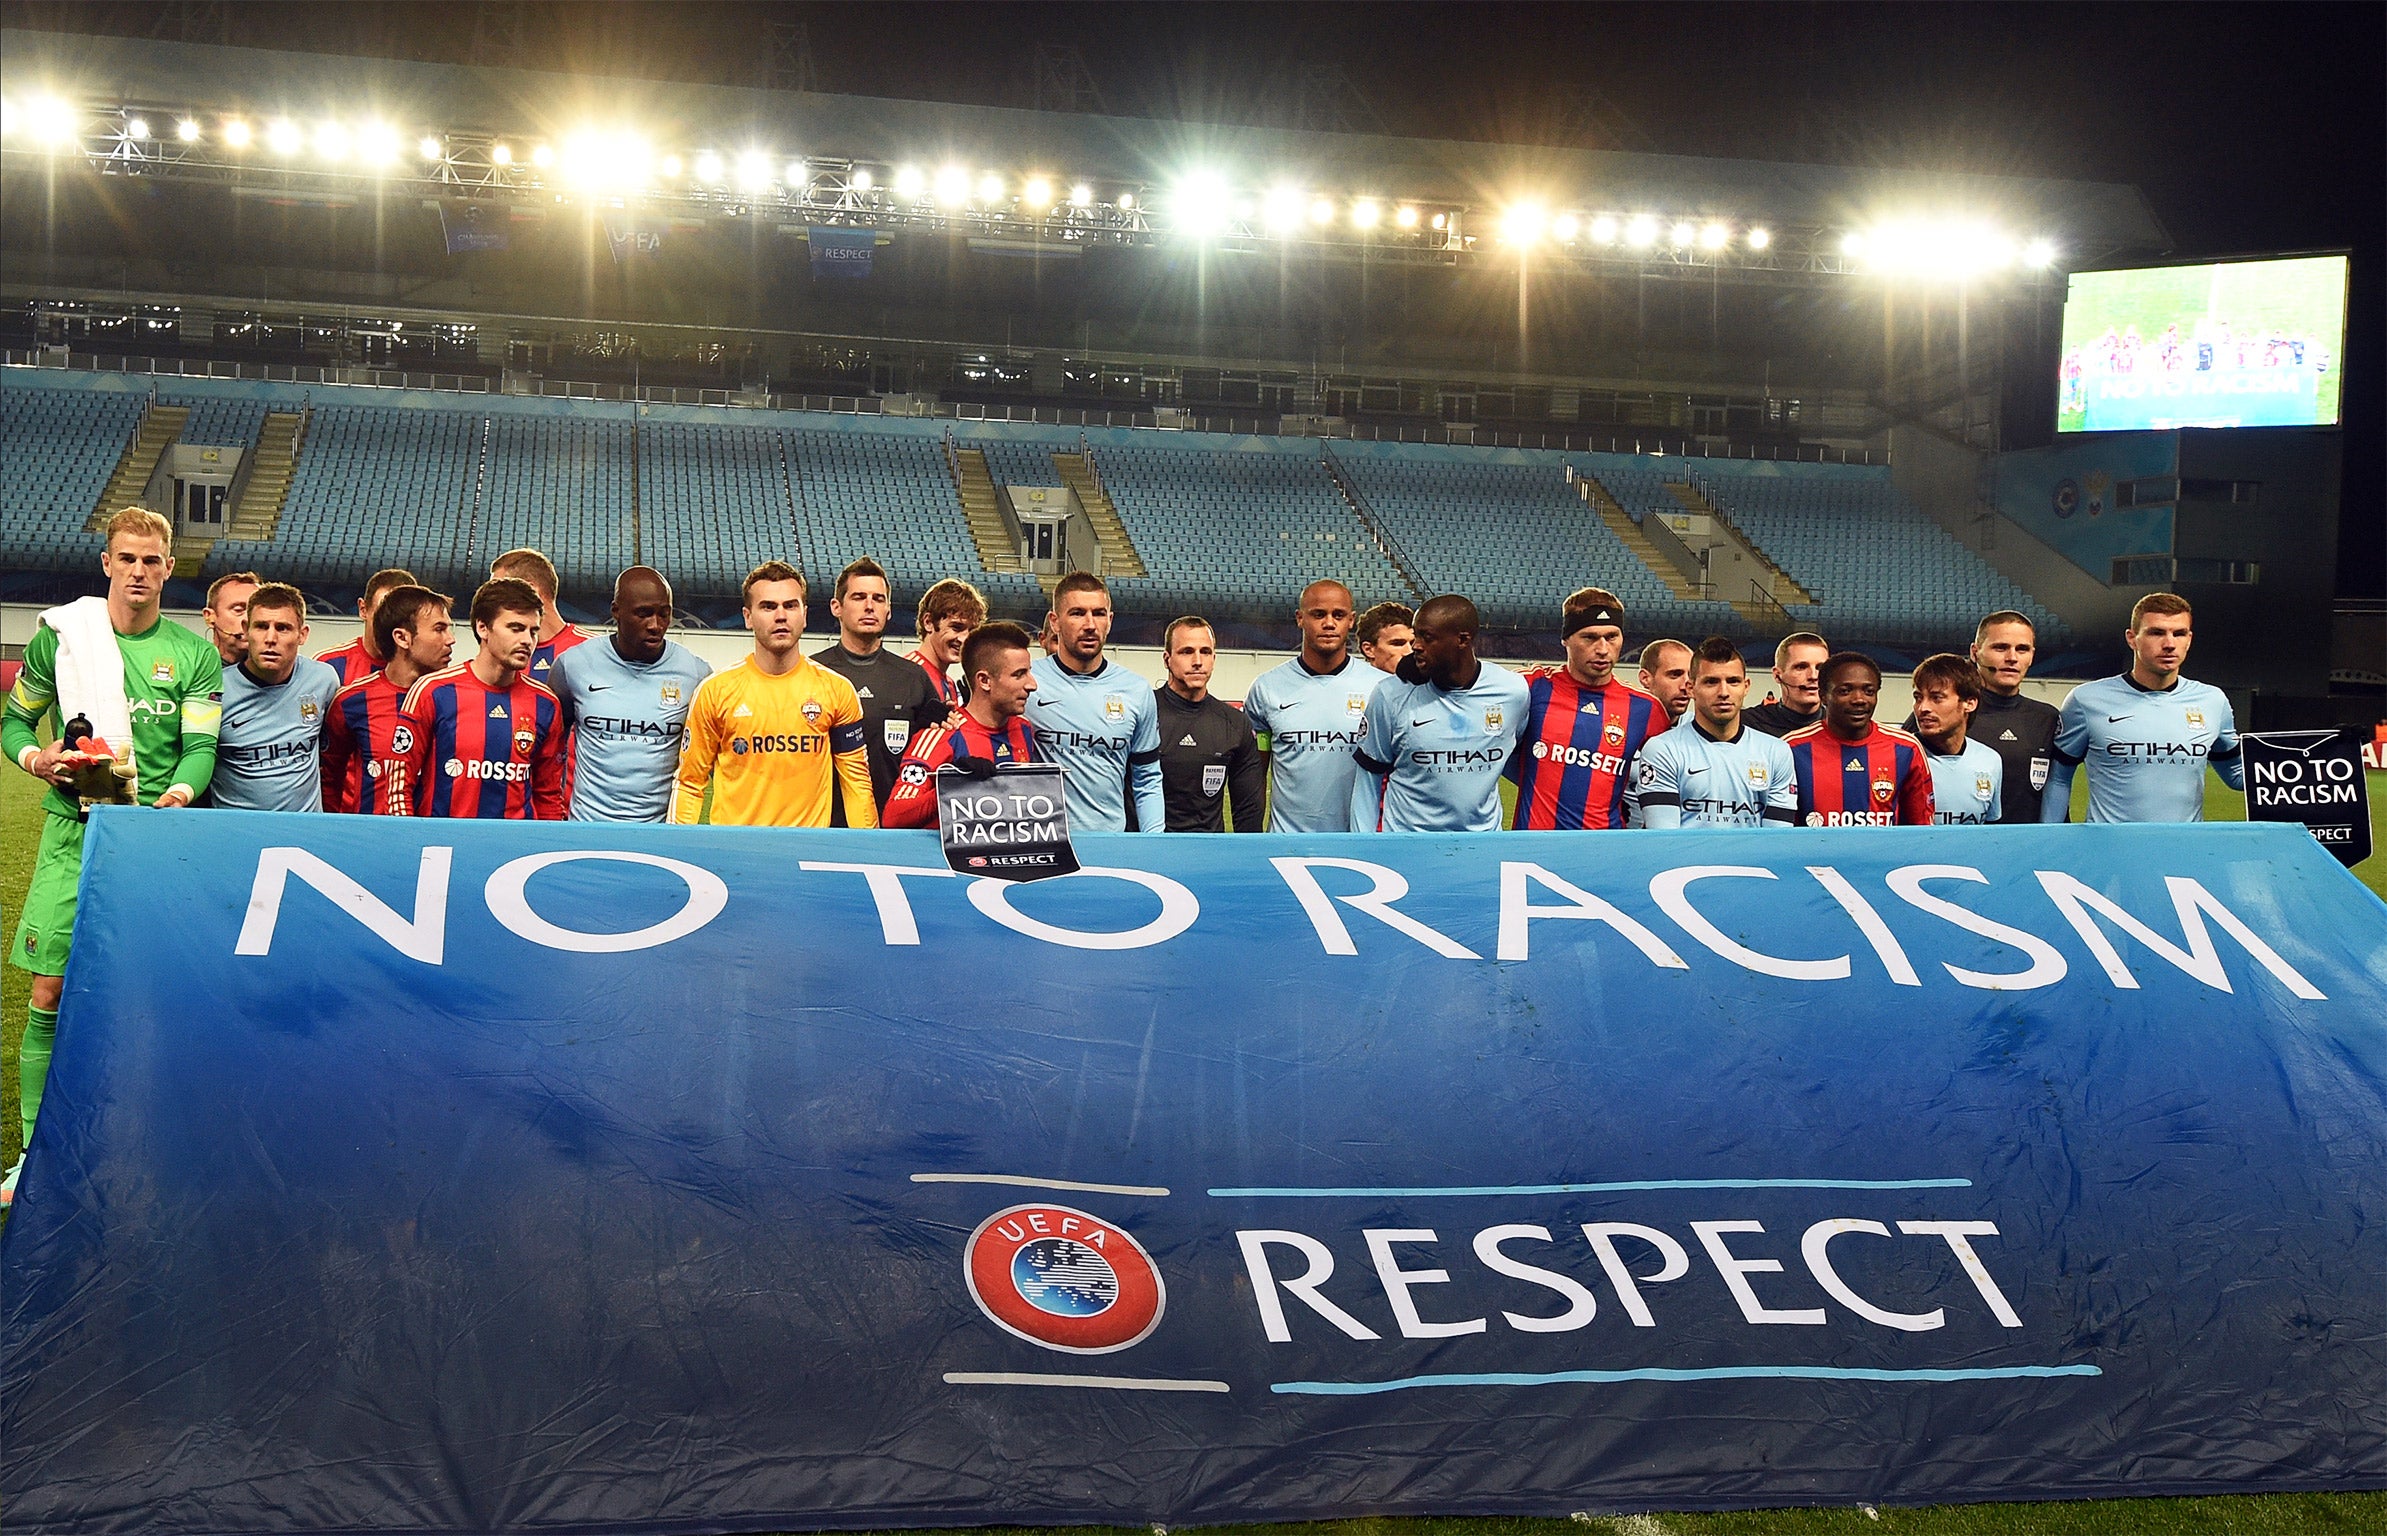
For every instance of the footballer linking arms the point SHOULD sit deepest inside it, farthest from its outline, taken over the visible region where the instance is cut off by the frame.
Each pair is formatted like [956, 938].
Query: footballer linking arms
[948, 612]
[1439, 732]
[368, 748]
[488, 739]
[1713, 770]
[269, 747]
[1308, 714]
[1095, 718]
[1854, 771]
[1584, 726]
[776, 736]
[165, 705]
[626, 704]
[997, 663]
[1967, 778]
[2146, 735]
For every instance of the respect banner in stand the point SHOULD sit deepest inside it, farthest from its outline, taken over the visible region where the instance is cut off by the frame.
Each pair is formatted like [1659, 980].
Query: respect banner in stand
[2315, 779]
[417, 1176]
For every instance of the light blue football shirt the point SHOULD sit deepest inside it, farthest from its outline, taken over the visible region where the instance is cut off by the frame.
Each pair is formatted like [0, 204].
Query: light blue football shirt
[269, 753]
[2145, 750]
[1309, 725]
[627, 725]
[1430, 759]
[1103, 728]
[1967, 787]
[1691, 779]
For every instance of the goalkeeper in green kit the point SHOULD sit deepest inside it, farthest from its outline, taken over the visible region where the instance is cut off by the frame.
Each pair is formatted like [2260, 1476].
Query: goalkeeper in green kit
[137, 698]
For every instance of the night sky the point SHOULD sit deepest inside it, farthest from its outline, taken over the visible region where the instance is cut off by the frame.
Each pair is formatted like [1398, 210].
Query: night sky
[2251, 128]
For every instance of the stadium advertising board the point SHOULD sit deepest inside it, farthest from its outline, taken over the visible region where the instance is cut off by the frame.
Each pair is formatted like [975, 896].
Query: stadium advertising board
[2226, 344]
[409, 1176]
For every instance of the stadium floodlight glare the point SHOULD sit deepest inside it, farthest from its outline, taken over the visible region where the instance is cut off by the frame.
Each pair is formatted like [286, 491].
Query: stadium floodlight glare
[953, 186]
[283, 138]
[671, 166]
[187, 130]
[332, 141]
[861, 180]
[1280, 210]
[53, 120]
[429, 147]
[1523, 223]
[1760, 238]
[1405, 216]
[1321, 212]
[236, 133]
[1366, 213]
[754, 171]
[137, 128]
[1682, 232]
[1442, 221]
[1200, 205]
[1715, 237]
[1038, 192]
[1852, 243]
[1641, 232]
[1566, 226]
[710, 168]
[1081, 196]
[377, 143]
[2040, 252]
[909, 182]
[990, 188]
[1603, 229]
[798, 174]
[543, 156]
[501, 154]
[1127, 202]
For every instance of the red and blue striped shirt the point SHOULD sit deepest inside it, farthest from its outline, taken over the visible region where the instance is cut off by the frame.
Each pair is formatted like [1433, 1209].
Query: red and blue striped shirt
[913, 802]
[1576, 763]
[483, 752]
[368, 749]
[1882, 779]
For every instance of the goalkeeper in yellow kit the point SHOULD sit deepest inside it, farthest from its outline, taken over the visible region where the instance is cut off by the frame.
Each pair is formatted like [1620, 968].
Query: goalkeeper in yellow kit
[776, 735]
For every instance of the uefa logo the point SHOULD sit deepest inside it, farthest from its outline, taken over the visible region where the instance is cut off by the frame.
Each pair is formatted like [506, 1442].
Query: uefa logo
[1063, 1279]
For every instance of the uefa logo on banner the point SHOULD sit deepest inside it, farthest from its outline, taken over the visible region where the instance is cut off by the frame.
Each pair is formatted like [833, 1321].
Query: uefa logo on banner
[1063, 1279]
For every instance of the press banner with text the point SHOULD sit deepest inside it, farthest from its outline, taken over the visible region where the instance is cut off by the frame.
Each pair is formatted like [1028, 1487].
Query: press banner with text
[416, 1176]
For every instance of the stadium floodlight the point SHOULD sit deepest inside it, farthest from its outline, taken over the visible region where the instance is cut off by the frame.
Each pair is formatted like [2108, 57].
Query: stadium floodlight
[1852, 243]
[1366, 213]
[1641, 232]
[953, 186]
[1683, 232]
[429, 147]
[1200, 205]
[137, 128]
[332, 141]
[501, 155]
[283, 138]
[990, 188]
[909, 182]
[1280, 210]
[1523, 223]
[1603, 229]
[1760, 238]
[236, 133]
[543, 156]
[710, 168]
[1442, 221]
[1405, 216]
[1038, 192]
[1566, 226]
[1715, 237]
[671, 166]
[1321, 212]
[1127, 202]
[187, 130]
[2040, 252]
[53, 120]
[377, 143]
[861, 180]
[1081, 196]
[798, 175]
[754, 171]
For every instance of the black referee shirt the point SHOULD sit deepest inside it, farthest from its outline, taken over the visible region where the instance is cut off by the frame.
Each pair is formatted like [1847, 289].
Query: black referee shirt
[1207, 749]
[2021, 731]
[898, 698]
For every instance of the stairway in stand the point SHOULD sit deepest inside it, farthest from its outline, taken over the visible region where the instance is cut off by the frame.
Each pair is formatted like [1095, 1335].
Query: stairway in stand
[978, 504]
[159, 429]
[1119, 557]
[1621, 524]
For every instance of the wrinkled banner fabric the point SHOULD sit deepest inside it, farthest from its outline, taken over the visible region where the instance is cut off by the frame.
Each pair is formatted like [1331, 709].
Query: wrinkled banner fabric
[410, 1176]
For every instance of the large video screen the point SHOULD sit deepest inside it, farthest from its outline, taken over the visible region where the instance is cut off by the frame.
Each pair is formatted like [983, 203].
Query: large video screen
[2233, 344]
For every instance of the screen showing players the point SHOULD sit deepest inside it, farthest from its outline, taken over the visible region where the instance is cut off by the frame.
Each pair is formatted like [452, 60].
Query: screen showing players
[2233, 344]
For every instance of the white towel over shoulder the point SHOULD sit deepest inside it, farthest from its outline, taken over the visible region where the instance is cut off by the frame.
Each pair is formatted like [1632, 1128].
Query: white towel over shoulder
[91, 670]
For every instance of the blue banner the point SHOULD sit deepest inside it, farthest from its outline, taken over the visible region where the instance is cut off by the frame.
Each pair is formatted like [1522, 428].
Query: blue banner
[2068, 497]
[473, 226]
[414, 1176]
[841, 252]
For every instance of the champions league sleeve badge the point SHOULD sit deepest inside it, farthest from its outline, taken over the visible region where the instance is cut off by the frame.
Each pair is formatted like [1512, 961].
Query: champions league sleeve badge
[1060, 1278]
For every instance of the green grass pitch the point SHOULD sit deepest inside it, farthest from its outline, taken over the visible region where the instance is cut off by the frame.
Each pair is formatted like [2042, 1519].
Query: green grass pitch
[2283, 1514]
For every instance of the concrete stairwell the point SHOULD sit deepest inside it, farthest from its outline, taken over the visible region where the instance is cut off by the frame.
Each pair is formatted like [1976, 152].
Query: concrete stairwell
[1644, 549]
[996, 548]
[1119, 557]
[1765, 607]
[158, 431]
[259, 510]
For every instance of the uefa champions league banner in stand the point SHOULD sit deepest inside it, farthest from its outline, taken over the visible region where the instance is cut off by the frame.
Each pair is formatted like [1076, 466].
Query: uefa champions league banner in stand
[410, 1176]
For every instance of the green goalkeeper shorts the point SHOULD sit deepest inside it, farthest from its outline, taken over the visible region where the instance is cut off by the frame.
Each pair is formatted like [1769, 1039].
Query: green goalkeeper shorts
[48, 921]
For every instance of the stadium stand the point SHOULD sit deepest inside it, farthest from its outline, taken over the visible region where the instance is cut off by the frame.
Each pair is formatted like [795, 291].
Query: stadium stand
[58, 450]
[1229, 526]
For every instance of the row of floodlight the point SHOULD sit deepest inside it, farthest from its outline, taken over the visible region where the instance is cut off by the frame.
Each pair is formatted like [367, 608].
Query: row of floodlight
[1201, 204]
